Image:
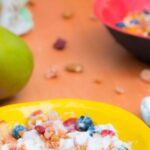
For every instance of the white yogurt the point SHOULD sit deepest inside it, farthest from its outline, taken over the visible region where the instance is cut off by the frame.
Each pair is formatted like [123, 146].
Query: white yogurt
[32, 141]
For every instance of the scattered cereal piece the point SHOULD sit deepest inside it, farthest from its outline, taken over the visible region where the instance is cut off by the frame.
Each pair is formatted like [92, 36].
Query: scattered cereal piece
[67, 15]
[52, 72]
[97, 81]
[31, 2]
[145, 75]
[119, 90]
[74, 67]
[59, 44]
[92, 17]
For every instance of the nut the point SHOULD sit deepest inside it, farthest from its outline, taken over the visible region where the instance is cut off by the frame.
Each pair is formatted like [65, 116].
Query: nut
[74, 68]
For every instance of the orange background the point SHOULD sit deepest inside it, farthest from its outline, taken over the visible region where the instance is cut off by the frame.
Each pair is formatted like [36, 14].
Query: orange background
[88, 43]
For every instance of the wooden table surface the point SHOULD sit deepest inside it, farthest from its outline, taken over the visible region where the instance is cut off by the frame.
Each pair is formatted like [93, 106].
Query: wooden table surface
[89, 44]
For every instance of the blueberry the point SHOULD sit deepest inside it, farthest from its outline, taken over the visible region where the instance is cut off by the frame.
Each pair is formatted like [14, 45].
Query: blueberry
[122, 148]
[134, 21]
[120, 24]
[16, 130]
[83, 123]
[92, 130]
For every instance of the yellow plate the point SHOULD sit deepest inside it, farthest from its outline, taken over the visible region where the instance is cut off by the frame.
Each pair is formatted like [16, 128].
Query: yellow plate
[129, 127]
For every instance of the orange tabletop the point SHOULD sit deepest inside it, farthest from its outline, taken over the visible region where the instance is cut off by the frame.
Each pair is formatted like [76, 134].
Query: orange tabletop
[88, 43]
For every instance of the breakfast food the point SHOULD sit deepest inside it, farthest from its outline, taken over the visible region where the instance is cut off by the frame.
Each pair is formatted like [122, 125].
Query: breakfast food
[47, 131]
[15, 16]
[137, 22]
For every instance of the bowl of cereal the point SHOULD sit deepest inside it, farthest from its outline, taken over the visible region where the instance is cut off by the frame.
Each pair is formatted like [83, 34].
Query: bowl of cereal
[129, 23]
[71, 124]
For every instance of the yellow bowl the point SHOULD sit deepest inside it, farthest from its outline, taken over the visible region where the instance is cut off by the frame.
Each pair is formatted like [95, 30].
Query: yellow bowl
[129, 127]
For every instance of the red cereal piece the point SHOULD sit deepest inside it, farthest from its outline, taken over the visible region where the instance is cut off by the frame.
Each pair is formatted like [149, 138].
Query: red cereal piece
[40, 129]
[107, 133]
[70, 123]
[35, 113]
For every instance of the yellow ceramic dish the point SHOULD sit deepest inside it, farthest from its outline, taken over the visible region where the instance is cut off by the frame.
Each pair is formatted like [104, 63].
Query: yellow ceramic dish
[129, 127]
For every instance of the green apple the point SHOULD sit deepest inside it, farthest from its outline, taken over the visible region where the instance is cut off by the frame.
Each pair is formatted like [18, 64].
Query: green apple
[16, 63]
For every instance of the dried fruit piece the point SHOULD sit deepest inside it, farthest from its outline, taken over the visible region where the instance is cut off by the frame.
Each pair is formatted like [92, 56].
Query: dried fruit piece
[119, 90]
[52, 72]
[59, 44]
[40, 129]
[145, 75]
[107, 133]
[74, 67]
[67, 15]
[70, 123]
[35, 113]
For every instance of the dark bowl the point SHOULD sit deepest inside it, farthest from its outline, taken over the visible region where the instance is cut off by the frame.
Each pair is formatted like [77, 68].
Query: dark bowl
[112, 11]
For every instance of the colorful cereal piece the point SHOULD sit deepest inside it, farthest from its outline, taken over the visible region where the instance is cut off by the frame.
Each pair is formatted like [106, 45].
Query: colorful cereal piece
[74, 68]
[35, 113]
[120, 24]
[67, 14]
[132, 30]
[134, 22]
